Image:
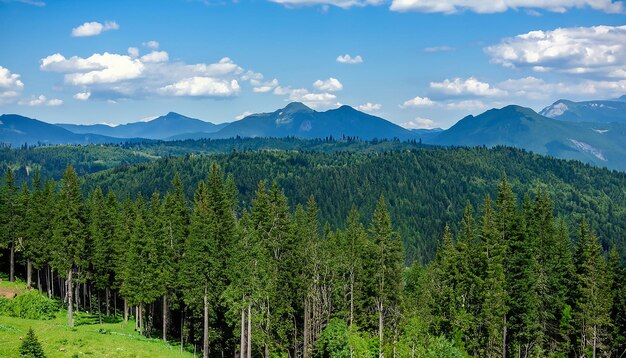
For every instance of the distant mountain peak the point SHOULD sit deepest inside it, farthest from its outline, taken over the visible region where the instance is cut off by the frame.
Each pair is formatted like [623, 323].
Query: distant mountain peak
[294, 107]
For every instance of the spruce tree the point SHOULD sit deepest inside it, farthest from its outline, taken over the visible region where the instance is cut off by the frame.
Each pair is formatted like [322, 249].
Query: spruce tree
[30, 347]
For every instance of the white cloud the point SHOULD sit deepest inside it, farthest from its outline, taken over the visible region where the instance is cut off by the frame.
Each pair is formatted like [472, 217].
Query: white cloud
[155, 56]
[470, 86]
[82, 96]
[202, 87]
[263, 87]
[439, 49]
[599, 50]
[486, 7]
[152, 44]
[338, 3]
[419, 123]
[10, 85]
[94, 28]
[347, 59]
[370, 107]
[417, 102]
[311, 99]
[243, 115]
[330, 85]
[40, 101]
[466, 105]
[133, 52]
[98, 68]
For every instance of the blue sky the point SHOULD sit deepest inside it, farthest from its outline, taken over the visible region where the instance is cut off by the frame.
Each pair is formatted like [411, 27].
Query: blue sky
[421, 63]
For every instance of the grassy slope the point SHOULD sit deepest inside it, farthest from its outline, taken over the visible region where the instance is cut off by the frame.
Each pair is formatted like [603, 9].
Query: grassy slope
[58, 340]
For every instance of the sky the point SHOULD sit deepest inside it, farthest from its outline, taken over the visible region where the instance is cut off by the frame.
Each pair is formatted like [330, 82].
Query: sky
[417, 63]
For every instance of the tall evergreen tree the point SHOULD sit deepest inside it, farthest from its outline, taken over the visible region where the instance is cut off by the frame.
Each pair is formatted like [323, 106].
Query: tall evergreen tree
[69, 233]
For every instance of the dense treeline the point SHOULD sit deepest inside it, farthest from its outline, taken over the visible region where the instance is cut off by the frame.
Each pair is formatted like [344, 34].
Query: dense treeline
[425, 188]
[264, 280]
[87, 159]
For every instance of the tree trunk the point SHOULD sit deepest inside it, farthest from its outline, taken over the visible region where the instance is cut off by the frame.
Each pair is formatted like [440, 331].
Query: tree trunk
[165, 318]
[29, 274]
[351, 299]
[242, 341]
[49, 281]
[39, 280]
[99, 311]
[595, 340]
[205, 334]
[70, 306]
[504, 338]
[249, 335]
[12, 263]
[305, 348]
[107, 298]
[115, 304]
[182, 328]
[125, 311]
[380, 329]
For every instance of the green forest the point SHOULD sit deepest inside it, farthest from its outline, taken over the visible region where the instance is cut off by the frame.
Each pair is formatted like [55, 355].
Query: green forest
[266, 254]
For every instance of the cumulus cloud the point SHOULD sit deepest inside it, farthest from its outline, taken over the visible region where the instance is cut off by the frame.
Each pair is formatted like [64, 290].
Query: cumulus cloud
[40, 101]
[370, 107]
[417, 102]
[82, 96]
[10, 85]
[155, 56]
[152, 44]
[470, 86]
[133, 52]
[330, 85]
[466, 105]
[202, 87]
[597, 50]
[419, 123]
[263, 87]
[113, 76]
[347, 59]
[486, 7]
[94, 28]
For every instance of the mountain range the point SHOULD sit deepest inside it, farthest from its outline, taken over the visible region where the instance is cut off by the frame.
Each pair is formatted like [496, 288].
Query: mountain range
[591, 131]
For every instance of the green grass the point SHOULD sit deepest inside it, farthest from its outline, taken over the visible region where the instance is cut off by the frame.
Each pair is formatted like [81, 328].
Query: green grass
[87, 339]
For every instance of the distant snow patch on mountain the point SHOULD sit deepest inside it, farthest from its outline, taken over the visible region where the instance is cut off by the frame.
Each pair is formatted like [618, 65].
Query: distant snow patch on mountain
[589, 149]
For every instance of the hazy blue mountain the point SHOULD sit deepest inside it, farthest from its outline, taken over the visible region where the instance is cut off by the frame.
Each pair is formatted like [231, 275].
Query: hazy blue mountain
[17, 130]
[427, 135]
[597, 143]
[588, 111]
[169, 125]
[298, 120]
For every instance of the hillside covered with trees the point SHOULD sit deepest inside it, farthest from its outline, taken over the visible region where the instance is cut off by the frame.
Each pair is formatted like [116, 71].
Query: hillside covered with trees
[266, 277]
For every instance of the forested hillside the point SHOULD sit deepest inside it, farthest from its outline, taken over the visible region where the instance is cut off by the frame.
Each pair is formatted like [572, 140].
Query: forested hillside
[425, 188]
[260, 277]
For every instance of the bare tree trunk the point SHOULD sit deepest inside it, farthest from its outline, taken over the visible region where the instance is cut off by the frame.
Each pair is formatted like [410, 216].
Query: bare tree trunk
[99, 311]
[39, 280]
[182, 328]
[12, 263]
[165, 317]
[205, 334]
[249, 335]
[70, 308]
[242, 341]
[595, 339]
[107, 298]
[380, 329]
[305, 348]
[351, 298]
[126, 310]
[50, 281]
[115, 304]
[29, 274]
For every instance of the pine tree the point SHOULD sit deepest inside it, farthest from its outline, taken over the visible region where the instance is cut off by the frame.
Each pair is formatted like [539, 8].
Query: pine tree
[200, 264]
[387, 265]
[593, 303]
[9, 218]
[494, 306]
[69, 233]
[23, 239]
[30, 347]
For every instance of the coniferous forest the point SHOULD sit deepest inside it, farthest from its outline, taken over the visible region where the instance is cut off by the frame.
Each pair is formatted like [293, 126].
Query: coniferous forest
[266, 277]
